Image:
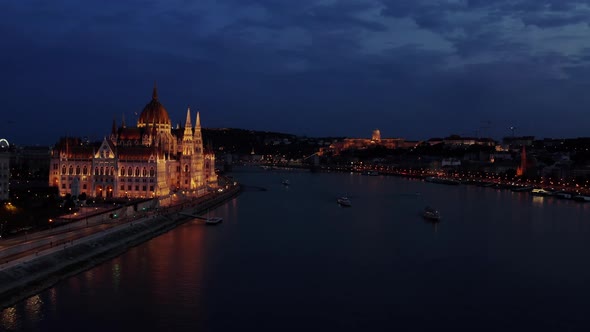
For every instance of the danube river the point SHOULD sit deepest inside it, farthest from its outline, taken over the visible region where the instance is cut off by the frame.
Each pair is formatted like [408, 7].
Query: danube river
[290, 259]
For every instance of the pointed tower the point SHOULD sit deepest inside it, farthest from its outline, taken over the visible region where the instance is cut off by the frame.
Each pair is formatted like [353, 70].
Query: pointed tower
[199, 158]
[155, 92]
[123, 121]
[113, 136]
[520, 171]
[187, 139]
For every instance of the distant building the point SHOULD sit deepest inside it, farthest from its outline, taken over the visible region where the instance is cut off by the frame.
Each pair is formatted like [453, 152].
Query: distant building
[456, 140]
[364, 143]
[4, 170]
[518, 142]
[30, 161]
[151, 159]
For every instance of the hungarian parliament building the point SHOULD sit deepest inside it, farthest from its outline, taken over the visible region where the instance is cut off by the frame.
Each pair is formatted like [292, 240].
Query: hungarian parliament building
[149, 160]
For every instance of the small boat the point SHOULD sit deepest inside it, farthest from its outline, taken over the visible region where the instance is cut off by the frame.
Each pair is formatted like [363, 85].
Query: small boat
[371, 173]
[522, 188]
[541, 192]
[581, 198]
[563, 194]
[344, 201]
[286, 182]
[213, 220]
[431, 214]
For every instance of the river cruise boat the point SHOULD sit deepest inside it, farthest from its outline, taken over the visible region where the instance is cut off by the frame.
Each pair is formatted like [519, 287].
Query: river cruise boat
[541, 192]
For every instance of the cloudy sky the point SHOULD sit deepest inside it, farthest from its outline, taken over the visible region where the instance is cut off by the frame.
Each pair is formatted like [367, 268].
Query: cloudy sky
[412, 68]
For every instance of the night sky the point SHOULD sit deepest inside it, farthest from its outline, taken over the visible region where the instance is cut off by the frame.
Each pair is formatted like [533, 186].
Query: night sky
[412, 68]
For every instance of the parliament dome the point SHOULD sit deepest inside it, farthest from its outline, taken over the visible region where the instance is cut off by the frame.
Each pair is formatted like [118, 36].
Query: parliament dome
[154, 112]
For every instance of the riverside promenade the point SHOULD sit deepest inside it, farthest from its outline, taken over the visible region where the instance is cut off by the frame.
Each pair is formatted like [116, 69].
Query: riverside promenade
[38, 263]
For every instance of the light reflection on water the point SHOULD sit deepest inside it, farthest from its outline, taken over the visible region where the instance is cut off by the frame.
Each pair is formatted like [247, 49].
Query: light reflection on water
[290, 258]
[10, 319]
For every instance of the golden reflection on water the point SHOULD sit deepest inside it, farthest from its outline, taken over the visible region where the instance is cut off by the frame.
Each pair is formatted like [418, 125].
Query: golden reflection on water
[538, 200]
[33, 307]
[9, 318]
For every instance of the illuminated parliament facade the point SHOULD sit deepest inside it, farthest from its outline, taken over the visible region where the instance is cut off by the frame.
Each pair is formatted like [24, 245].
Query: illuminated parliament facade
[149, 160]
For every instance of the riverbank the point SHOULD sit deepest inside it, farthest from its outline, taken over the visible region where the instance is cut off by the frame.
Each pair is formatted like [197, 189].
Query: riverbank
[561, 189]
[35, 273]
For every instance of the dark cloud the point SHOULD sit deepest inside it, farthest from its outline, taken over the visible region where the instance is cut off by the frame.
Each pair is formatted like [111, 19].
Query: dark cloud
[414, 68]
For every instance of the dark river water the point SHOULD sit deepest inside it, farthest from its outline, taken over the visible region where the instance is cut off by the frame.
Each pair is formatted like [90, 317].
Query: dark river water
[291, 259]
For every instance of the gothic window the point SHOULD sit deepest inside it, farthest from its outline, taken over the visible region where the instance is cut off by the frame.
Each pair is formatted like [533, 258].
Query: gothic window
[63, 170]
[96, 171]
[71, 170]
[101, 170]
[152, 172]
[85, 170]
[77, 170]
[112, 171]
[122, 171]
[130, 172]
[186, 168]
[136, 171]
[144, 173]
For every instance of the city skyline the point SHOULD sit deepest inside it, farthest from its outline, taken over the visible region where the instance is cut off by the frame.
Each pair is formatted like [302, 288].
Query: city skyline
[314, 68]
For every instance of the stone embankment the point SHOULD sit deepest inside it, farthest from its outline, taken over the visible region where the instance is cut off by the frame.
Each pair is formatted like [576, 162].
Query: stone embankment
[32, 274]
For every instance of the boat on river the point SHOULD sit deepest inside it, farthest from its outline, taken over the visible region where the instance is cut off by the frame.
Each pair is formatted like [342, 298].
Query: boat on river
[344, 201]
[541, 192]
[522, 188]
[213, 220]
[431, 214]
[581, 198]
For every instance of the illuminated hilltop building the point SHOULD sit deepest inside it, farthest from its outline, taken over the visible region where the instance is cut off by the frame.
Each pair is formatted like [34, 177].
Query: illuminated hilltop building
[364, 143]
[151, 159]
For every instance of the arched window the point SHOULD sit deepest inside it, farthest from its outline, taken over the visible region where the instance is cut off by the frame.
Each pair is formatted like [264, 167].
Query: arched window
[144, 172]
[122, 171]
[78, 170]
[101, 170]
[71, 170]
[130, 171]
[152, 172]
[186, 168]
[63, 170]
[112, 171]
[136, 171]
[85, 170]
[95, 170]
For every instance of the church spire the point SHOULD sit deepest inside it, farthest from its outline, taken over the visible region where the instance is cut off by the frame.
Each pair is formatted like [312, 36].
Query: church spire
[155, 92]
[198, 124]
[188, 123]
[114, 128]
[123, 120]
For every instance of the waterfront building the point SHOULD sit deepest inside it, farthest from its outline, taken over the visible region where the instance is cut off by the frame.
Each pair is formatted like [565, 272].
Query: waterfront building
[4, 170]
[364, 143]
[147, 160]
